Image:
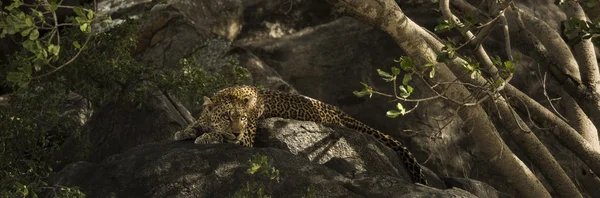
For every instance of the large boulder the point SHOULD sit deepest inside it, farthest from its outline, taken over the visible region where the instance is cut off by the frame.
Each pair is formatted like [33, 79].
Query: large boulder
[329, 162]
[119, 126]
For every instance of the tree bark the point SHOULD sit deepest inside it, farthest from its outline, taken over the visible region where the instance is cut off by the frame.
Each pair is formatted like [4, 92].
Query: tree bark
[387, 16]
[586, 59]
[566, 68]
[535, 150]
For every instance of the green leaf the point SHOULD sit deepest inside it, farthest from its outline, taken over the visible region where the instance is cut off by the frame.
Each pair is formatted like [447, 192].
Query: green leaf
[432, 72]
[25, 191]
[406, 63]
[14, 77]
[395, 71]
[42, 54]
[384, 74]
[443, 25]
[78, 11]
[34, 34]
[254, 167]
[474, 74]
[38, 63]
[76, 45]
[509, 67]
[80, 20]
[442, 57]
[31, 46]
[405, 90]
[27, 69]
[25, 32]
[364, 92]
[84, 27]
[36, 13]
[90, 14]
[10, 29]
[402, 89]
[451, 54]
[401, 109]
[53, 6]
[392, 113]
[496, 60]
[407, 78]
[359, 93]
[13, 5]
[499, 82]
[365, 85]
[29, 21]
[54, 49]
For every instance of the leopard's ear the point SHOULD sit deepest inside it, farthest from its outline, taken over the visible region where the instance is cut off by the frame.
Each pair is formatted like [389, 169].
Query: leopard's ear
[207, 101]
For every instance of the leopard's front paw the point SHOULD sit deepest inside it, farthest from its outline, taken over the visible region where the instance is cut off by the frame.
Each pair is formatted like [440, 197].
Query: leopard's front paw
[209, 138]
[188, 133]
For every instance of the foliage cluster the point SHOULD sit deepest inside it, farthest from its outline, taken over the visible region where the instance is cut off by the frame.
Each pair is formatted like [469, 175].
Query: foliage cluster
[55, 64]
[262, 167]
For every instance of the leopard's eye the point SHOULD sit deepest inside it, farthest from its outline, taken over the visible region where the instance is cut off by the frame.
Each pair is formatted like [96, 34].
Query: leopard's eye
[225, 116]
[245, 100]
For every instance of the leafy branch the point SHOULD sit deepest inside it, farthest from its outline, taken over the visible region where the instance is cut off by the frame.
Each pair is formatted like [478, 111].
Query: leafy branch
[43, 49]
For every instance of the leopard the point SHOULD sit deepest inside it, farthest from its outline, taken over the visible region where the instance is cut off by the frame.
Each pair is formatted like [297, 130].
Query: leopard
[232, 114]
[220, 124]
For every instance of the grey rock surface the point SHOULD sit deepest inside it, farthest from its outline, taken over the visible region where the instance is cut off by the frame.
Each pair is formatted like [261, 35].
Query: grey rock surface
[183, 169]
[117, 127]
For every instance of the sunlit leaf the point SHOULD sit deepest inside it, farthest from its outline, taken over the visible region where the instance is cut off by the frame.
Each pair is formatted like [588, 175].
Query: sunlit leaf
[54, 49]
[384, 74]
[76, 44]
[392, 113]
[395, 71]
[406, 63]
[509, 66]
[83, 27]
[34, 34]
[407, 78]
[361, 93]
[26, 32]
[90, 14]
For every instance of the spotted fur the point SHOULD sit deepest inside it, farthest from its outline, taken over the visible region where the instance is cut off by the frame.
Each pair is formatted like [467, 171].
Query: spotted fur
[266, 104]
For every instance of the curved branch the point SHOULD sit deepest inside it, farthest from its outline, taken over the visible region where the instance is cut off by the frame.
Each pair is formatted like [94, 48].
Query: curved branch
[565, 134]
[586, 58]
[586, 97]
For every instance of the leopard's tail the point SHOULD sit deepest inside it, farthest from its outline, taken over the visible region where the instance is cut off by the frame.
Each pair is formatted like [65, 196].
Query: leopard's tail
[416, 172]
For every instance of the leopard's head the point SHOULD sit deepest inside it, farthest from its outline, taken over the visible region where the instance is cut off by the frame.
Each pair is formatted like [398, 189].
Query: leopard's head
[243, 96]
[229, 119]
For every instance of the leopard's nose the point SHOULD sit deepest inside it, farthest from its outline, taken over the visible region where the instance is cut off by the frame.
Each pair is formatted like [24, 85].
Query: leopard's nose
[236, 130]
[237, 133]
